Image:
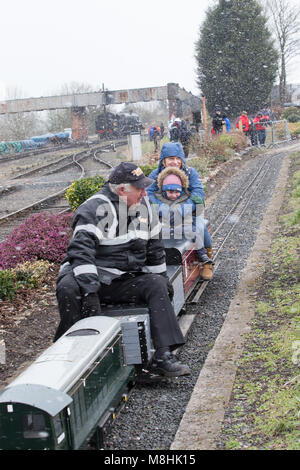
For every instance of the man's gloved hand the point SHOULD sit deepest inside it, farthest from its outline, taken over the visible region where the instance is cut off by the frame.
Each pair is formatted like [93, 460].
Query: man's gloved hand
[169, 285]
[90, 305]
[170, 290]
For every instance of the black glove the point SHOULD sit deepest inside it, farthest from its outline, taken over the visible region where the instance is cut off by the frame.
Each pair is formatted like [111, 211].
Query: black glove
[169, 286]
[170, 290]
[90, 305]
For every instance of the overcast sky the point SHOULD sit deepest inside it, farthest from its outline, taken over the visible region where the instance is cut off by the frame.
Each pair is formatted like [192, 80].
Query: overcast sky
[123, 44]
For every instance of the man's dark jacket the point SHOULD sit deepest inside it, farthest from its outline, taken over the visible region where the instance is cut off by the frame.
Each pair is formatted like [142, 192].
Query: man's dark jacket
[110, 240]
[217, 121]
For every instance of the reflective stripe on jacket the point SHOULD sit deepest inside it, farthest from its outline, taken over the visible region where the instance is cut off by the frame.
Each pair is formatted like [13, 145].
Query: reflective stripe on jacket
[110, 239]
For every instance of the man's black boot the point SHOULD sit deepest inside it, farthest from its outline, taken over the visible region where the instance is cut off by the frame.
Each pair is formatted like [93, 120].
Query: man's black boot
[169, 366]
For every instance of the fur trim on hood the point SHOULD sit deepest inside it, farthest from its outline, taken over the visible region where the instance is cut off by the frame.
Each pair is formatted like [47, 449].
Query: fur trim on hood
[173, 171]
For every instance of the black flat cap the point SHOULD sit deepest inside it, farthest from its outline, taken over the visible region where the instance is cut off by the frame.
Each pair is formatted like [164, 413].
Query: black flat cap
[128, 172]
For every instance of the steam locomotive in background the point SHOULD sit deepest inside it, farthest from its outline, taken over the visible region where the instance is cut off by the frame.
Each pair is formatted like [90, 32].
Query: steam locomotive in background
[112, 126]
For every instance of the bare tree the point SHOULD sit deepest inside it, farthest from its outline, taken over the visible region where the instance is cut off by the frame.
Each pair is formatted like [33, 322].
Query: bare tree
[285, 17]
[19, 126]
[60, 119]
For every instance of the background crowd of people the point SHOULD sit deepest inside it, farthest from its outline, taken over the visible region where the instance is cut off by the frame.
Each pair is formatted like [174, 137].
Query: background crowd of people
[254, 127]
[180, 130]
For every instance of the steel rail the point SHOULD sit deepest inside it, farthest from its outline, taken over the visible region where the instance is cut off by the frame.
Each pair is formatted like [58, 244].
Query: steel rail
[43, 167]
[106, 148]
[233, 210]
[48, 198]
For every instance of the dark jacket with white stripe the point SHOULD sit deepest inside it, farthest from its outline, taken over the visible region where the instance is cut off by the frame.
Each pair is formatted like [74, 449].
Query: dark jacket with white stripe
[110, 240]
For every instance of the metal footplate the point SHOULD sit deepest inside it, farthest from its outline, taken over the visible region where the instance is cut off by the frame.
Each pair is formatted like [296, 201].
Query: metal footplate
[135, 323]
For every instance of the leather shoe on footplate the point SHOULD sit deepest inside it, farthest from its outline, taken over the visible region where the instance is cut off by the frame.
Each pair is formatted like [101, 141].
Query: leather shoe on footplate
[169, 366]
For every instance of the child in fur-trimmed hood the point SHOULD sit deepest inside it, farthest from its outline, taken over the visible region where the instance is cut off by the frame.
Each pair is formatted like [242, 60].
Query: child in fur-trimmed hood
[172, 156]
[177, 214]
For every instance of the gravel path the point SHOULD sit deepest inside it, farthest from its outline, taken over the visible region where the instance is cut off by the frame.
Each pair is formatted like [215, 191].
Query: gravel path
[153, 413]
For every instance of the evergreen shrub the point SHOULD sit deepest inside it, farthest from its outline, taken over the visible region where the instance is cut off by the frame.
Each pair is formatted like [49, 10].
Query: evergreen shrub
[81, 190]
[23, 275]
[288, 111]
[147, 169]
[293, 117]
[7, 285]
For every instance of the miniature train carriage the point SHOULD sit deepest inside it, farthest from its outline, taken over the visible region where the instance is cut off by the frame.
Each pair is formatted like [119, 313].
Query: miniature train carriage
[183, 269]
[67, 395]
[72, 391]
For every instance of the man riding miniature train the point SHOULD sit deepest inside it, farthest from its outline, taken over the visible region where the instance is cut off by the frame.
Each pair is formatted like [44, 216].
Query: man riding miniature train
[116, 255]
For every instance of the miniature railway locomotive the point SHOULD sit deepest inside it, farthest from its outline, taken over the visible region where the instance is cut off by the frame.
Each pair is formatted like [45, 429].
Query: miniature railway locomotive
[72, 392]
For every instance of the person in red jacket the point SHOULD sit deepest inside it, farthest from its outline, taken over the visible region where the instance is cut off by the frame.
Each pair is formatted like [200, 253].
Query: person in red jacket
[242, 123]
[260, 125]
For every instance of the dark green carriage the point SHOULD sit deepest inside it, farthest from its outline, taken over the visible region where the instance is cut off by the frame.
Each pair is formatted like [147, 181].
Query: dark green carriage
[77, 405]
[33, 417]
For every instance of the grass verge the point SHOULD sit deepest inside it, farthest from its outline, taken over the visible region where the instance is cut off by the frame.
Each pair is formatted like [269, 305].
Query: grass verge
[264, 410]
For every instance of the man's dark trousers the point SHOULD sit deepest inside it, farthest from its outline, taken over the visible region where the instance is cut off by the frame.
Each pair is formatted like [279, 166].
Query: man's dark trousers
[149, 289]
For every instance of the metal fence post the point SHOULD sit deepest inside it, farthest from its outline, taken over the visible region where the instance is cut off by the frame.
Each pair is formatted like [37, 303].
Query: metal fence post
[287, 131]
[272, 133]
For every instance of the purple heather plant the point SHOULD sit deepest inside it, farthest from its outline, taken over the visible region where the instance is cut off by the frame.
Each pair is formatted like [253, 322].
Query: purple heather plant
[43, 236]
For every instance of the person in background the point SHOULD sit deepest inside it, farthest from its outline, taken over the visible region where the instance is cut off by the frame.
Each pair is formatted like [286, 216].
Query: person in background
[175, 130]
[156, 138]
[260, 122]
[185, 137]
[150, 132]
[172, 155]
[242, 123]
[228, 125]
[218, 121]
[252, 131]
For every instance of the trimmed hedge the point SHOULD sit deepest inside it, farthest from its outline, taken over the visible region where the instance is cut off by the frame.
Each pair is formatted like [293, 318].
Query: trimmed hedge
[81, 190]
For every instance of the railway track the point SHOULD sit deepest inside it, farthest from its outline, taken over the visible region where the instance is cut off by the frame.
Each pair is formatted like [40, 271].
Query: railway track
[80, 164]
[230, 221]
[224, 227]
[234, 212]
